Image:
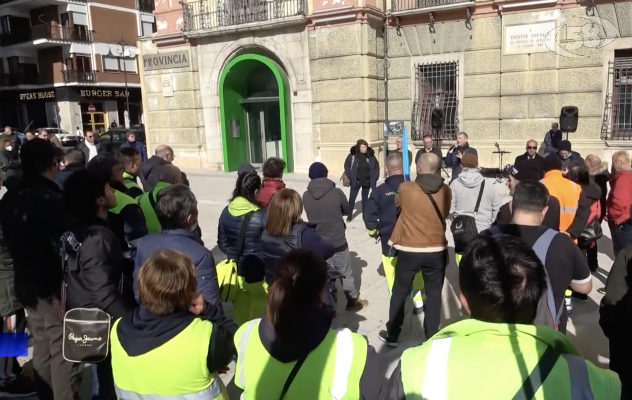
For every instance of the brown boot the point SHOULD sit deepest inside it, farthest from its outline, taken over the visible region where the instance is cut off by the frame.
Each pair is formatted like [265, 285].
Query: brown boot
[357, 305]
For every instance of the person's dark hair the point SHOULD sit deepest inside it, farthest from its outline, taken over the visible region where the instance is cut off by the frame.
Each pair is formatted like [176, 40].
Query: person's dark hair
[300, 280]
[102, 165]
[552, 162]
[127, 155]
[173, 205]
[247, 186]
[502, 280]
[81, 191]
[530, 197]
[75, 156]
[38, 156]
[579, 174]
[361, 142]
[273, 167]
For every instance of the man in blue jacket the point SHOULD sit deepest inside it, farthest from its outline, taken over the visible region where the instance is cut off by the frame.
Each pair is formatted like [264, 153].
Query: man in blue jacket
[456, 153]
[134, 143]
[176, 208]
[380, 221]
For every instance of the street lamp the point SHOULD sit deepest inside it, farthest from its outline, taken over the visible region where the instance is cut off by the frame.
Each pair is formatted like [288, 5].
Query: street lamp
[124, 53]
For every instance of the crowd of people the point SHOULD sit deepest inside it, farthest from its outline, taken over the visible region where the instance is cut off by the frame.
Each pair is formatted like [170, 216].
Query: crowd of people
[120, 234]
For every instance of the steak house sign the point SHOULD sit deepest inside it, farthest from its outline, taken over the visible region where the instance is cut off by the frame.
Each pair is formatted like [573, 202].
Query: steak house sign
[176, 59]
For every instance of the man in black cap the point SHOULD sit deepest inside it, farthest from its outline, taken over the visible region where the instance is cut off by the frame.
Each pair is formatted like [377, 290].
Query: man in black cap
[569, 157]
[528, 172]
[245, 168]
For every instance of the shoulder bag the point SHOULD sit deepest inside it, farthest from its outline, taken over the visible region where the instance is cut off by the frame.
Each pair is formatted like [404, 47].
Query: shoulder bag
[227, 269]
[346, 182]
[86, 331]
[464, 228]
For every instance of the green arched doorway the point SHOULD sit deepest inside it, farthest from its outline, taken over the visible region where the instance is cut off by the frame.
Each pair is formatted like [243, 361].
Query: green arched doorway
[255, 109]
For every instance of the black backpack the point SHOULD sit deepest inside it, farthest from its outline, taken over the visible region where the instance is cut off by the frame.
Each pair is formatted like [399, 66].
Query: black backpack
[463, 227]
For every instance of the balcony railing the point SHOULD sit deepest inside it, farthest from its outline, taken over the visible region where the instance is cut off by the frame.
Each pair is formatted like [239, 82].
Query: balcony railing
[206, 15]
[8, 39]
[55, 32]
[145, 6]
[73, 75]
[406, 5]
[18, 79]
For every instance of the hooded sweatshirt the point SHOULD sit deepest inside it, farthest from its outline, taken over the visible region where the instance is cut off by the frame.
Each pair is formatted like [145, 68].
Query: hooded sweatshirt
[325, 205]
[465, 190]
[150, 173]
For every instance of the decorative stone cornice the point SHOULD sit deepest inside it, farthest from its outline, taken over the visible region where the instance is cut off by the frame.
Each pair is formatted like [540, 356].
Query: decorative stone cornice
[346, 15]
[169, 39]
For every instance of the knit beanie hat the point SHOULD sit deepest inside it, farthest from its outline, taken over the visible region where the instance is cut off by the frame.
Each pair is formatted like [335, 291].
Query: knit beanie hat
[469, 160]
[318, 170]
[564, 145]
[552, 162]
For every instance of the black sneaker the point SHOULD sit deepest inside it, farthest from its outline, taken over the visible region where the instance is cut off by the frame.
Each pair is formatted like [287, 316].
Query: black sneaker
[20, 387]
[582, 298]
[357, 305]
[383, 335]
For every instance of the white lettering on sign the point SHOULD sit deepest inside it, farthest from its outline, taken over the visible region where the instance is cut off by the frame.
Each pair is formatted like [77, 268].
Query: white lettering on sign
[50, 94]
[83, 339]
[529, 38]
[103, 93]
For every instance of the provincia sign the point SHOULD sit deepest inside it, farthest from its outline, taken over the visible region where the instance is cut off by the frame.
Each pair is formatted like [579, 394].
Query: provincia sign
[174, 59]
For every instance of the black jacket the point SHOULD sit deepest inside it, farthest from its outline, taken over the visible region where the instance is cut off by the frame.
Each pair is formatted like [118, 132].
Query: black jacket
[150, 176]
[141, 332]
[310, 332]
[325, 205]
[600, 175]
[538, 160]
[551, 219]
[574, 160]
[228, 235]
[590, 194]
[381, 213]
[453, 161]
[434, 150]
[9, 304]
[351, 167]
[64, 174]
[86, 151]
[96, 269]
[410, 155]
[32, 214]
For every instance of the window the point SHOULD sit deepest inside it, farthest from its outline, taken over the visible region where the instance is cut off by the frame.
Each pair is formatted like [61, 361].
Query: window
[437, 88]
[84, 63]
[148, 28]
[110, 63]
[617, 121]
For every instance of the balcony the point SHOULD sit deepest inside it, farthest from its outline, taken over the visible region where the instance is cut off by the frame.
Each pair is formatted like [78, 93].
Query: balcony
[18, 79]
[29, 4]
[9, 39]
[203, 18]
[399, 7]
[146, 6]
[73, 75]
[58, 33]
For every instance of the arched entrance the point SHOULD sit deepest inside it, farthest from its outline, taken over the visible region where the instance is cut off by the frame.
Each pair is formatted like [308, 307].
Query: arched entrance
[255, 109]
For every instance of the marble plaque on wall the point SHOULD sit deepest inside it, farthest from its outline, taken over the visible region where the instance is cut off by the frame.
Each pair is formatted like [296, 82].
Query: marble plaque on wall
[537, 37]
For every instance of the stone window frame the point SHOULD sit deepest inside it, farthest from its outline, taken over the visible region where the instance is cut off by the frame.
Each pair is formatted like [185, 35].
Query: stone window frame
[441, 58]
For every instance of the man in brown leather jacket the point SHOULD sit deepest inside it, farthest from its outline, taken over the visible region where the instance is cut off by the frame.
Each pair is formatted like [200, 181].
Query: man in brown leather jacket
[419, 236]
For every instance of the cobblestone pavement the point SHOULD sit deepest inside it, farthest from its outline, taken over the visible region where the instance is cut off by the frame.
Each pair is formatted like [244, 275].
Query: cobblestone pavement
[213, 189]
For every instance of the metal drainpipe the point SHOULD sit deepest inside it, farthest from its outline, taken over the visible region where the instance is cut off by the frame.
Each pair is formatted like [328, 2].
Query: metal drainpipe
[385, 83]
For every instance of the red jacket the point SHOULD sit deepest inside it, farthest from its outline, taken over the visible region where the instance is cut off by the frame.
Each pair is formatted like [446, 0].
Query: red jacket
[269, 187]
[620, 197]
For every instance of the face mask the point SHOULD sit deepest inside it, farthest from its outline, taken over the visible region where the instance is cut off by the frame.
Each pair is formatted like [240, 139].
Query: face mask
[9, 148]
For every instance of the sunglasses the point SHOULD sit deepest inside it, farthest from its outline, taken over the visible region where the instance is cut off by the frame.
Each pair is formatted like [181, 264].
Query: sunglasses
[532, 147]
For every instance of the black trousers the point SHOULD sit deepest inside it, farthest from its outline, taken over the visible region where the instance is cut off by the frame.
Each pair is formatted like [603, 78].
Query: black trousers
[432, 267]
[106, 379]
[353, 194]
[55, 378]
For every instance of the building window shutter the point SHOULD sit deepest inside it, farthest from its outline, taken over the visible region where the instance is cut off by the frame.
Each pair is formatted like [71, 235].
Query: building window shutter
[79, 19]
[110, 63]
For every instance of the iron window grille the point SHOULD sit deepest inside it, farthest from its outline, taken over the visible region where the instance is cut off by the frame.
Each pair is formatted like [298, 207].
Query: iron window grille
[437, 87]
[617, 118]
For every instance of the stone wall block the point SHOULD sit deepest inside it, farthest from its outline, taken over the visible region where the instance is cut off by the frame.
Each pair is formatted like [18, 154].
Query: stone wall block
[328, 68]
[482, 62]
[379, 66]
[461, 37]
[589, 104]
[437, 39]
[196, 81]
[424, 38]
[193, 60]
[624, 17]
[528, 82]
[542, 61]
[341, 132]
[370, 39]
[607, 11]
[155, 101]
[312, 44]
[590, 57]
[370, 89]
[524, 128]
[175, 136]
[338, 41]
[477, 130]
[580, 80]
[153, 84]
[512, 107]
[315, 110]
[588, 128]
[381, 107]
[180, 101]
[410, 33]
[352, 111]
[398, 89]
[396, 45]
[486, 34]
[330, 112]
[339, 90]
[543, 106]
[449, 33]
[350, 67]
[399, 68]
[379, 42]
[514, 62]
[183, 81]
[399, 109]
[482, 85]
[197, 98]
[481, 108]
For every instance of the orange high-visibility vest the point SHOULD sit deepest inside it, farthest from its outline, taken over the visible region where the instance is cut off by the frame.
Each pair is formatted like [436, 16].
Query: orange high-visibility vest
[567, 193]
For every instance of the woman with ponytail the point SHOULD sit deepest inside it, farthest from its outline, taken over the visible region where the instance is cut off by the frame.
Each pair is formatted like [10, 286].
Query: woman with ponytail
[292, 352]
[243, 213]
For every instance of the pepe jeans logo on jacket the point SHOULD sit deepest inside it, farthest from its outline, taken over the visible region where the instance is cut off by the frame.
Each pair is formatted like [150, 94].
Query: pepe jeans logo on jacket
[84, 340]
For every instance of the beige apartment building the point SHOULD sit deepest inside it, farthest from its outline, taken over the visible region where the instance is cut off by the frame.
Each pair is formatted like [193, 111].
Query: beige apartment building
[230, 81]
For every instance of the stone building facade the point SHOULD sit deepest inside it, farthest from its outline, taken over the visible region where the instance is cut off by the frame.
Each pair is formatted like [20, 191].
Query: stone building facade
[305, 80]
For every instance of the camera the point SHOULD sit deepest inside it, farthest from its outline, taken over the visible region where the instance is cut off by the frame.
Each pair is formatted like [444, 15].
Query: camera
[499, 174]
